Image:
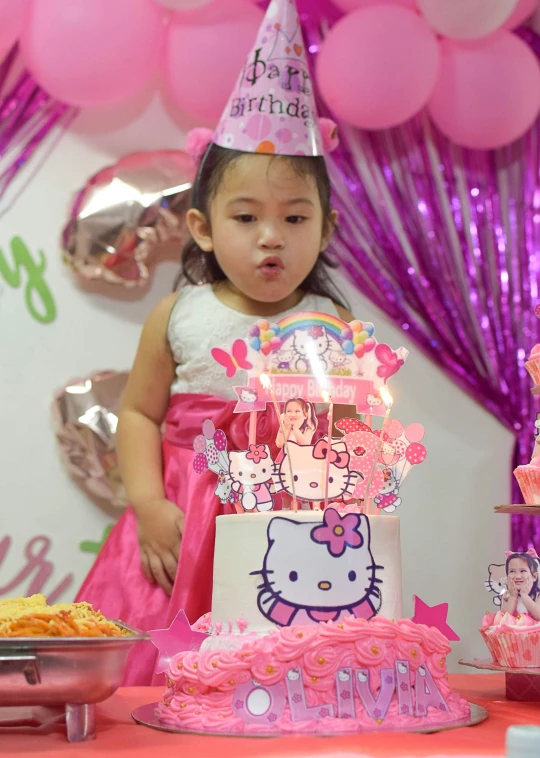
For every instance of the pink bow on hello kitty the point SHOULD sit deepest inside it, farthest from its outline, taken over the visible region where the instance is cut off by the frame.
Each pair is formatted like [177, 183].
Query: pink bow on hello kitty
[531, 551]
[341, 460]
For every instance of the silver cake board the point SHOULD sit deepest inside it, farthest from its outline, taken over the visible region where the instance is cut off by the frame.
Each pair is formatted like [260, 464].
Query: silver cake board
[522, 684]
[146, 716]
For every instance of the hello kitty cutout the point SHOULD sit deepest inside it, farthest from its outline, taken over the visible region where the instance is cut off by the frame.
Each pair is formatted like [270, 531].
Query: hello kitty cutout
[211, 455]
[308, 463]
[316, 572]
[307, 353]
[250, 472]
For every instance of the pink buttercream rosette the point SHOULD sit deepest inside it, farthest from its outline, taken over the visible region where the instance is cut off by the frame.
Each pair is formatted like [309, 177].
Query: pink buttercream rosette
[528, 478]
[513, 641]
[533, 364]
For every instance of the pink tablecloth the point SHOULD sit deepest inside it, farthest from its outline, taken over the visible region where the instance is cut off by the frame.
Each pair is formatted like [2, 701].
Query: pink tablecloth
[119, 736]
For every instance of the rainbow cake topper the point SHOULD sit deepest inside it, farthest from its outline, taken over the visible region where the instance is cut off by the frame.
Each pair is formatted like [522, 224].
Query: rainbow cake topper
[272, 107]
[310, 355]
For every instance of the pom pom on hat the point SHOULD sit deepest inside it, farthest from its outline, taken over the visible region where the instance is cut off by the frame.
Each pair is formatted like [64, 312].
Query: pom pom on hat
[329, 134]
[197, 142]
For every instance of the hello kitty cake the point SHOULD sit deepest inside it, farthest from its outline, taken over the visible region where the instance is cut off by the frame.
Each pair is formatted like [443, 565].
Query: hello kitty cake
[306, 631]
[310, 650]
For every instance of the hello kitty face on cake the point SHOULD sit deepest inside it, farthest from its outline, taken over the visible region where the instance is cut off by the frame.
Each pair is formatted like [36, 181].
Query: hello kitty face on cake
[309, 471]
[293, 675]
[250, 467]
[343, 676]
[320, 569]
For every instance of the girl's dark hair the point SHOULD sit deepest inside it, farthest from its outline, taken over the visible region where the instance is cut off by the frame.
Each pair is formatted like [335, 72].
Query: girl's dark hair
[532, 563]
[308, 410]
[199, 267]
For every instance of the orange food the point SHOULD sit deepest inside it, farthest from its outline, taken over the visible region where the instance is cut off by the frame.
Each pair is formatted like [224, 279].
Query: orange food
[32, 617]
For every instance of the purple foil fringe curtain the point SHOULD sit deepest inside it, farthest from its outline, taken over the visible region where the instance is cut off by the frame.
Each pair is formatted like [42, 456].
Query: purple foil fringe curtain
[27, 116]
[446, 241]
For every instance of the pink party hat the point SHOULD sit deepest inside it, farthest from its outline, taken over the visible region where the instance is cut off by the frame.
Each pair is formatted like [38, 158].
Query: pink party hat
[272, 108]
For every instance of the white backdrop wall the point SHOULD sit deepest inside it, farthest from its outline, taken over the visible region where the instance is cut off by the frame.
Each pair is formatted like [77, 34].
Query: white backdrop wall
[449, 531]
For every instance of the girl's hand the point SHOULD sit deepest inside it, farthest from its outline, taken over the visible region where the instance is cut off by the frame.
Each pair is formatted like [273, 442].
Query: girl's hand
[512, 589]
[160, 526]
[528, 586]
[286, 423]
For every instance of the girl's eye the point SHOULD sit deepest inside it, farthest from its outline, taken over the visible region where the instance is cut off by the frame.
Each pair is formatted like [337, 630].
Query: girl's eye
[295, 219]
[245, 218]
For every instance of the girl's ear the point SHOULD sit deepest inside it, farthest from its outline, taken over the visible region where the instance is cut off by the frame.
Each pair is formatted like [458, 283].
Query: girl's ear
[199, 228]
[329, 230]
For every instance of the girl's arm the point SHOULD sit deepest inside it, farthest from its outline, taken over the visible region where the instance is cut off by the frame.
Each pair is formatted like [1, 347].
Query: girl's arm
[143, 410]
[532, 606]
[303, 438]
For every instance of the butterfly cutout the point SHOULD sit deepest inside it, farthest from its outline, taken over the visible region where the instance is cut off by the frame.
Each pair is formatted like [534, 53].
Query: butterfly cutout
[234, 361]
[389, 361]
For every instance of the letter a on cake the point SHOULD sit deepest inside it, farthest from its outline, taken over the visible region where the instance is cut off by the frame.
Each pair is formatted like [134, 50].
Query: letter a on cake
[272, 107]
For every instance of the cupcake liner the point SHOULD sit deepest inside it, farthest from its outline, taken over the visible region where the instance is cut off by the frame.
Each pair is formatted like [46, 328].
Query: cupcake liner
[528, 478]
[533, 367]
[514, 650]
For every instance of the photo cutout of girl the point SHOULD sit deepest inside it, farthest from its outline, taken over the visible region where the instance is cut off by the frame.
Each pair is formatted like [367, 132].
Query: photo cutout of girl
[522, 594]
[299, 424]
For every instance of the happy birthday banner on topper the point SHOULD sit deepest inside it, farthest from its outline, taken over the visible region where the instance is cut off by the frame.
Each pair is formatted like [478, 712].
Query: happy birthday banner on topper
[310, 355]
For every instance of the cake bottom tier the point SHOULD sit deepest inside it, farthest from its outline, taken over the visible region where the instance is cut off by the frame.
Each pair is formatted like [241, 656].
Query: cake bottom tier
[354, 675]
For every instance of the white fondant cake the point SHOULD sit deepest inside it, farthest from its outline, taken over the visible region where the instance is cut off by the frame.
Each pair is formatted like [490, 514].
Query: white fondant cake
[263, 579]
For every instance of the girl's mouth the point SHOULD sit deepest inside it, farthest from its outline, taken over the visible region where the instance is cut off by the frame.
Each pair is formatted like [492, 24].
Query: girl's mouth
[271, 267]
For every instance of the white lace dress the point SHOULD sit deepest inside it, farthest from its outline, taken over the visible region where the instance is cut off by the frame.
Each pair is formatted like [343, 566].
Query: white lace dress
[199, 322]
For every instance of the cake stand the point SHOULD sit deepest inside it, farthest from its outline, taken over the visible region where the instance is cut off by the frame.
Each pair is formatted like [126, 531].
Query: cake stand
[521, 684]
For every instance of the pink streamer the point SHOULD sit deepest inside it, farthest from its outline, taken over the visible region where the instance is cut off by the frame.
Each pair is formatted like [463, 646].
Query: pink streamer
[27, 116]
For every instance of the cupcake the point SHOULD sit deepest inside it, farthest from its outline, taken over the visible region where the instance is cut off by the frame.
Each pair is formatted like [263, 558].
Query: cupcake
[513, 641]
[533, 364]
[528, 478]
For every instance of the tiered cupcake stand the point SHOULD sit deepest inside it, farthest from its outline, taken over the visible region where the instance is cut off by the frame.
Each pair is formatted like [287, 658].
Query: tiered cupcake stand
[521, 684]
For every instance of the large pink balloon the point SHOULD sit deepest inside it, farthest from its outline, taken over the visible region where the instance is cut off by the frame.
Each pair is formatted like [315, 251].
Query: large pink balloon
[378, 66]
[486, 95]
[466, 19]
[12, 13]
[524, 9]
[204, 56]
[92, 52]
[352, 5]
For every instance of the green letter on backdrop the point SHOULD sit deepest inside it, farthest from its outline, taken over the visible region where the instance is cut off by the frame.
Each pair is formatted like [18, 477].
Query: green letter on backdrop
[37, 295]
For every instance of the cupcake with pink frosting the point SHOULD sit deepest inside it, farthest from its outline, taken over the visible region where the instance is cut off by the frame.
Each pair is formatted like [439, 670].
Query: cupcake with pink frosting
[528, 478]
[533, 364]
[513, 641]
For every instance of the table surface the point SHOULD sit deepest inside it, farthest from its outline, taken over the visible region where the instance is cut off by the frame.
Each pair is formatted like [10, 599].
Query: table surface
[118, 735]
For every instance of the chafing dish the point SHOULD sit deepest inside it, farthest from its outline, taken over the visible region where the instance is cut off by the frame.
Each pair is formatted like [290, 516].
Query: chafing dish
[74, 673]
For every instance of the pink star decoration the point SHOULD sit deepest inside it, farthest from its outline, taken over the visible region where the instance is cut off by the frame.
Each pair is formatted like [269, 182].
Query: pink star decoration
[178, 638]
[435, 615]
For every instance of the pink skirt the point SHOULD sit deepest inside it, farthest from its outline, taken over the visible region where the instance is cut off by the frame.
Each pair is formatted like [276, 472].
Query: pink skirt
[116, 584]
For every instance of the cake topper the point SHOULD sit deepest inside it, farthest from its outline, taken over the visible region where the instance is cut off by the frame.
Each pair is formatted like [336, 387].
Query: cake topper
[178, 637]
[433, 615]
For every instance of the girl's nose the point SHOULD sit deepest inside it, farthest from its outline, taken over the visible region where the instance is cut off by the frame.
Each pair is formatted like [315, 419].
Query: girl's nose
[270, 237]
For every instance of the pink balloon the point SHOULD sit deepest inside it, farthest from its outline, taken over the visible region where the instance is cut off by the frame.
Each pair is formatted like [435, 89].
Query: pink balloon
[220, 440]
[199, 444]
[12, 15]
[487, 95]
[200, 463]
[204, 54]
[414, 432]
[92, 52]
[352, 5]
[415, 453]
[466, 19]
[523, 10]
[378, 66]
[208, 429]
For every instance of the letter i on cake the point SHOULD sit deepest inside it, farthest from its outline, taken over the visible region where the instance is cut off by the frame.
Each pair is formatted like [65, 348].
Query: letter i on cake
[306, 631]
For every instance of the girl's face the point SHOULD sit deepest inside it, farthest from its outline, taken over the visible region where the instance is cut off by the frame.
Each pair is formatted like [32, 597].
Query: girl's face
[266, 228]
[295, 413]
[519, 572]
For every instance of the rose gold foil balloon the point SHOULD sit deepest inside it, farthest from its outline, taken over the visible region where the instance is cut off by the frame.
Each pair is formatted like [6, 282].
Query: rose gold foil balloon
[125, 212]
[85, 414]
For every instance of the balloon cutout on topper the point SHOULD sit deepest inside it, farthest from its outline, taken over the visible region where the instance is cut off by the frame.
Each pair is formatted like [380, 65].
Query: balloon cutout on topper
[308, 353]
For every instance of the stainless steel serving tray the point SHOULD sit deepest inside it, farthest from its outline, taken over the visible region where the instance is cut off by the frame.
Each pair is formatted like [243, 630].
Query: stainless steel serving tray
[72, 672]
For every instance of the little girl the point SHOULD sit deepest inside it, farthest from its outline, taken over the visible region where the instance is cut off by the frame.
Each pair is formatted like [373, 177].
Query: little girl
[260, 222]
[299, 422]
[521, 596]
